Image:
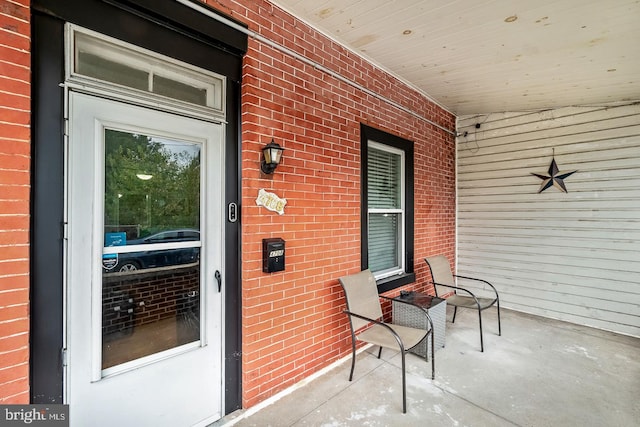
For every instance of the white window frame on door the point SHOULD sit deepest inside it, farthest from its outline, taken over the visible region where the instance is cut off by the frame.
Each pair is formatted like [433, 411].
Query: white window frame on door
[98, 373]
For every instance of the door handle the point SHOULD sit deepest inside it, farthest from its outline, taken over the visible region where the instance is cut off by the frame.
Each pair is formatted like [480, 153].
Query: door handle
[218, 277]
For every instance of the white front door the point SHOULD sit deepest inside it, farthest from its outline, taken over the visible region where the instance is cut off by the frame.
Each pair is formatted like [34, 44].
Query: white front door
[144, 306]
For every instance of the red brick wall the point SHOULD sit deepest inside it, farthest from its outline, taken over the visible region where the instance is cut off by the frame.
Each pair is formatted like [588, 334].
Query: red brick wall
[15, 102]
[292, 321]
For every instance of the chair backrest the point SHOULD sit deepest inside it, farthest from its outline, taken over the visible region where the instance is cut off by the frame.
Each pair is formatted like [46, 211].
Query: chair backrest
[441, 273]
[361, 292]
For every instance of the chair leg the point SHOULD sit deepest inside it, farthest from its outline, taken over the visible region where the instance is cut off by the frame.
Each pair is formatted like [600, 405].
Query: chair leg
[433, 356]
[455, 310]
[481, 341]
[499, 328]
[404, 386]
[353, 358]
[380, 353]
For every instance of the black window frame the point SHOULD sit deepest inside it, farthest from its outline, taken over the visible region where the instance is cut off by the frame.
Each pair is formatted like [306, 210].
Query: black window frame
[367, 134]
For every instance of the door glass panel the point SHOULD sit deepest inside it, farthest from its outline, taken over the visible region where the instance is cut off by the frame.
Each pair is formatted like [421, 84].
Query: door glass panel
[151, 254]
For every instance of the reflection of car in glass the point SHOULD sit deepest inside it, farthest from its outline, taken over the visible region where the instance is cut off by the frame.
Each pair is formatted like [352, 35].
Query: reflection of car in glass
[163, 257]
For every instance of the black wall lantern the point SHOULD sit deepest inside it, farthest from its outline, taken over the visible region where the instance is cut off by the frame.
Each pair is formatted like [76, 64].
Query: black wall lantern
[271, 153]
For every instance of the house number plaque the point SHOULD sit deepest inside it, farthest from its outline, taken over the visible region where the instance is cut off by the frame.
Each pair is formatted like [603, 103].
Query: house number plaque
[271, 201]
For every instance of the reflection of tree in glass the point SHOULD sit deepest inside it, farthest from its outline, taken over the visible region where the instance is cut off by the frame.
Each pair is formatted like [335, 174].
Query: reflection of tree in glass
[169, 199]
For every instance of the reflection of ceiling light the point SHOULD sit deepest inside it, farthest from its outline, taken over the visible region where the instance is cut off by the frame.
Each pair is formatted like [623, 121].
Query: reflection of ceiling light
[144, 176]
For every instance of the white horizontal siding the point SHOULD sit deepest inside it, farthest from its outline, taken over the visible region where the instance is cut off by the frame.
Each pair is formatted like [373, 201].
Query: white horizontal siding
[572, 256]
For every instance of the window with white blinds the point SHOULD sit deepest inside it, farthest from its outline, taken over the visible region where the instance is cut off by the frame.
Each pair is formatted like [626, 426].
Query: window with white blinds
[386, 216]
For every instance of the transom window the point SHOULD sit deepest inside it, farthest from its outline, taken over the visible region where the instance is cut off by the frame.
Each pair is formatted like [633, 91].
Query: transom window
[101, 61]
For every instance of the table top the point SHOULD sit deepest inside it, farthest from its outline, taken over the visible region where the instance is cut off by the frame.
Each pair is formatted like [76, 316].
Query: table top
[420, 299]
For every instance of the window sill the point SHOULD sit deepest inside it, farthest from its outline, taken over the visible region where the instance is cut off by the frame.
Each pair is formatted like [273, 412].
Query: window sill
[392, 282]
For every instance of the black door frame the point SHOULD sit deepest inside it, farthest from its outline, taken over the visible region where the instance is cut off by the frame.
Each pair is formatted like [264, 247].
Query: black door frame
[166, 27]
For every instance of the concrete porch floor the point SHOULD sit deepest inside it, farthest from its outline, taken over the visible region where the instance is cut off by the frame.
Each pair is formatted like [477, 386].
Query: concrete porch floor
[540, 372]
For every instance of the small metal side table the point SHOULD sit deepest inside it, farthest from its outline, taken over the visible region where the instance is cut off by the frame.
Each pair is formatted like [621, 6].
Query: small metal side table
[408, 315]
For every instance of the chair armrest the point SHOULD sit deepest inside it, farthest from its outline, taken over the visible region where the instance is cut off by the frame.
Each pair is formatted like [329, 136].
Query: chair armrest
[422, 309]
[368, 319]
[459, 288]
[478, 280]
[377, 322]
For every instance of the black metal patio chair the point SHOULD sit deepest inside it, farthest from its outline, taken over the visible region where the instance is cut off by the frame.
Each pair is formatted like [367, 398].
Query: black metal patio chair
[445, 282]
[367, 325]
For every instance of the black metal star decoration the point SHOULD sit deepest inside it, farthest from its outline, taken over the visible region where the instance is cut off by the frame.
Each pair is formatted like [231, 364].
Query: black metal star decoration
[555, 178]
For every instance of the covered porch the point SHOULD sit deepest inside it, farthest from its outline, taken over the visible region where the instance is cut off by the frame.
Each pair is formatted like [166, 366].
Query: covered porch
[541, 372]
